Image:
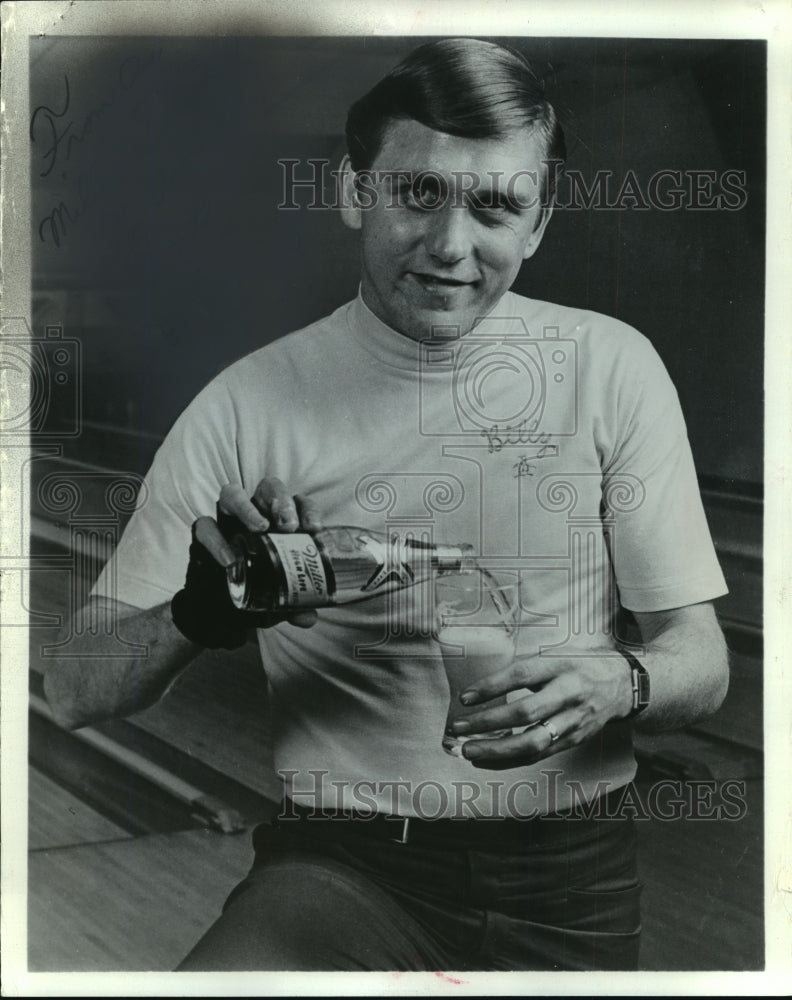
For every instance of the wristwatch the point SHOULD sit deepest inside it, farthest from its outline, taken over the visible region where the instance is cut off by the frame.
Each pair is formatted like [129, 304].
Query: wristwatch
[640, 684]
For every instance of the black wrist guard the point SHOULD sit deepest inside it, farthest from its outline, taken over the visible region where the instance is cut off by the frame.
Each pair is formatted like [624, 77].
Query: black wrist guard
[203, 610]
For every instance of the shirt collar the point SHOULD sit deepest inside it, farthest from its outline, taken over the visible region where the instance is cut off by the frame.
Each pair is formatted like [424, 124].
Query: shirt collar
[391, 347]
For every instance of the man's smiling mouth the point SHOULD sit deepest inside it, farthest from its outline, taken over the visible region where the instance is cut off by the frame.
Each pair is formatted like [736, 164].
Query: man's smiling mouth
[436, 282]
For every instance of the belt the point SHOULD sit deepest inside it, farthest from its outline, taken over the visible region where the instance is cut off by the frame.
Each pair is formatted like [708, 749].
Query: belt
[551, 828]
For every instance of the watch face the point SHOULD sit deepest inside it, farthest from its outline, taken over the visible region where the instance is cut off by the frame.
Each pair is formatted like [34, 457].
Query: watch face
[640, 682]
[641, 688]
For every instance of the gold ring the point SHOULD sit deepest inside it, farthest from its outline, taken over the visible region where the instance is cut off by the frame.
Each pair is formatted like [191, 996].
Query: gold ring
[551, 729]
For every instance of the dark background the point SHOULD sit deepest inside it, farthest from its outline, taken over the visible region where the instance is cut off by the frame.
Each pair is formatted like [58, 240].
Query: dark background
[173, 258]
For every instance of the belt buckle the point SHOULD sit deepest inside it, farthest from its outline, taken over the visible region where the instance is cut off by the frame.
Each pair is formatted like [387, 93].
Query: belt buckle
[403, 837]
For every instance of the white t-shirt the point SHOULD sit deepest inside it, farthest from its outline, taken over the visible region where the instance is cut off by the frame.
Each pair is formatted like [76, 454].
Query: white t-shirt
[549, 437]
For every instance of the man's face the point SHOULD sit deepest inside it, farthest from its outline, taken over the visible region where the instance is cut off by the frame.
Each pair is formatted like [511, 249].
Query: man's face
[443, 251]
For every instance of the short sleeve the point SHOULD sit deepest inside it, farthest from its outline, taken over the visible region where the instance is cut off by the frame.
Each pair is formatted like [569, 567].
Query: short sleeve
[661, 548]
[196, 459]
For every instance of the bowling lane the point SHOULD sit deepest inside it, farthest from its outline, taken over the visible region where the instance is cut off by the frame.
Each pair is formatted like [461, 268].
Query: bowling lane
[56, 818]
[135, 904]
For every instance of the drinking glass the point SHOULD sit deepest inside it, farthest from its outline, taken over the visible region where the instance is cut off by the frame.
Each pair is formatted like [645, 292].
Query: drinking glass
[476, 623]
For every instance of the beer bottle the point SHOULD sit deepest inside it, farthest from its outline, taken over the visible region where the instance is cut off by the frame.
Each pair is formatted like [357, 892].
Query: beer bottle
[334, 565]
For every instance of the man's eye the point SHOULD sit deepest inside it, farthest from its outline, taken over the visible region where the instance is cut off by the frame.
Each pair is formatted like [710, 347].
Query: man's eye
[490, 212]
[407, 197]
[487, 204]
[425, 194]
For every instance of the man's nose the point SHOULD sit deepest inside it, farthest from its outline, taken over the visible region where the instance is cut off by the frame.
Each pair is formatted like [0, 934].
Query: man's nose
[447, 236]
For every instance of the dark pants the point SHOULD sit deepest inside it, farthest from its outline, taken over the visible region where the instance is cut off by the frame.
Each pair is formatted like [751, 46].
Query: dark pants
[333, 898]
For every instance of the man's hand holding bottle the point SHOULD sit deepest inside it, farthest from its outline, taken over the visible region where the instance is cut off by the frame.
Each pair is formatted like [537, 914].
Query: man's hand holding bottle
[203, 610]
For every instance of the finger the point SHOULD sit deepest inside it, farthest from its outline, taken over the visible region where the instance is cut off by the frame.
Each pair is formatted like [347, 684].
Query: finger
[308, 513]
[276, 503]
[516, 750]
[543, 739]
[233, 500]
[533, 706]
[303, 619]
[206, 532]
[267, 619]
[523, 672]
[501, 716]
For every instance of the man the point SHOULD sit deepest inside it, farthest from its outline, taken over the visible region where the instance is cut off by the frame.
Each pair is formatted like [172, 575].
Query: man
[585, 481]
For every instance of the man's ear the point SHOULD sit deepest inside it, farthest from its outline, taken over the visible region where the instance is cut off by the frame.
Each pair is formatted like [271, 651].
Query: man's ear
[539, 229]
[350, 209]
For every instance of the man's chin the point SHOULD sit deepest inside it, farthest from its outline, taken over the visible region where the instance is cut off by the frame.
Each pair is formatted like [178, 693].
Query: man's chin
[445, 324]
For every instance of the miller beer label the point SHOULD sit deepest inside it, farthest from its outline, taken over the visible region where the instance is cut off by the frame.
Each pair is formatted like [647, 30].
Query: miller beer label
[303, 570]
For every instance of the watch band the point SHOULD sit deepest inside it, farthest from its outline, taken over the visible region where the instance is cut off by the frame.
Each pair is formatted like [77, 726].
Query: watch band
[640, 683]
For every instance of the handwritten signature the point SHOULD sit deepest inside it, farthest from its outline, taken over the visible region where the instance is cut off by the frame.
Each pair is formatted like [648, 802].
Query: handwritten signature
[64, 214]
[523, 468]
[521, 434]
[61, 134]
